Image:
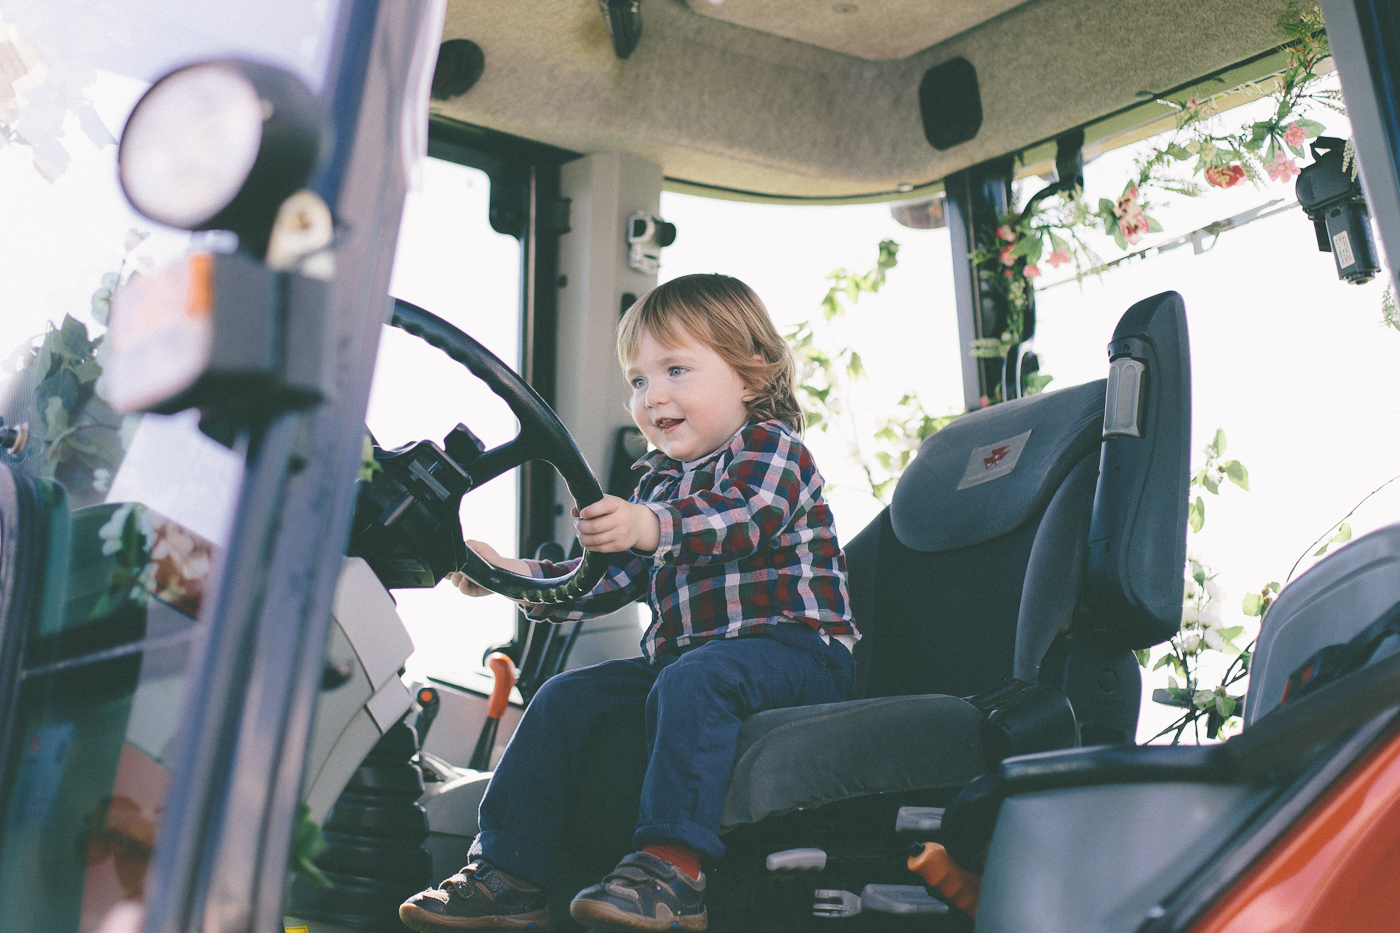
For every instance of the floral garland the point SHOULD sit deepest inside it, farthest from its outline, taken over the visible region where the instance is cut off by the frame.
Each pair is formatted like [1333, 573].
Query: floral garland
[1052, 229]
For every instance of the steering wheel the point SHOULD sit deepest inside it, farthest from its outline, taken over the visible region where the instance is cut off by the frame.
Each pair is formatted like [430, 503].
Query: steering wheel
[542, 437]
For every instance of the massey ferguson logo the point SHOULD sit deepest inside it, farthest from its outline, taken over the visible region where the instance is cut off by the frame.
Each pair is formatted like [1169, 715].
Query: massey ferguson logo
[994, 460]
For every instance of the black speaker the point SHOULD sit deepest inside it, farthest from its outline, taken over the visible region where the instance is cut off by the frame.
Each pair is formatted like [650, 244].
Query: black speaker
[460, 64]
[950, 103]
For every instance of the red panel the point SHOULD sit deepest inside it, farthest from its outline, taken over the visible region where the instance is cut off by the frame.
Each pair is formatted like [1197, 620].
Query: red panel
[1337, 869]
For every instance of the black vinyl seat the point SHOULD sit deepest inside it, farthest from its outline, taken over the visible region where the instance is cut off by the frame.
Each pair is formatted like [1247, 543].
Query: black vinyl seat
[1038, 539]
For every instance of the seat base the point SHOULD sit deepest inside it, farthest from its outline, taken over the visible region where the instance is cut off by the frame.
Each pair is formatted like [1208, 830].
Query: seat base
[811, 756]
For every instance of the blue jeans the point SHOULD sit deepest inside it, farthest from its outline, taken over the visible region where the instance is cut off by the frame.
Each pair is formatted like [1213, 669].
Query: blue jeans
[694, 704]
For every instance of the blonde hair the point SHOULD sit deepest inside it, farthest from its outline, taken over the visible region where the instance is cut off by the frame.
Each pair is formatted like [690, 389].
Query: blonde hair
[724, 314]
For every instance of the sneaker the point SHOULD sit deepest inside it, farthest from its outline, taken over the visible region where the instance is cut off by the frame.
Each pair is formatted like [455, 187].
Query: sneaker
[643, 893]
[476, 898]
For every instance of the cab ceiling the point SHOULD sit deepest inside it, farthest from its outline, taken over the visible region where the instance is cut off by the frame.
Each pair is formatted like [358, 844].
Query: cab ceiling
[766, 96]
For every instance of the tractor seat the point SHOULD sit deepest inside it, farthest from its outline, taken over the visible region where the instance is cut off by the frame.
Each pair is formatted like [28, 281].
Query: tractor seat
[1014, 547]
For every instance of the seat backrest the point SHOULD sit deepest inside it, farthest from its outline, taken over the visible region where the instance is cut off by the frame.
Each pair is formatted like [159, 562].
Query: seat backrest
[938, 577]
[1328, 605]
[982, 562]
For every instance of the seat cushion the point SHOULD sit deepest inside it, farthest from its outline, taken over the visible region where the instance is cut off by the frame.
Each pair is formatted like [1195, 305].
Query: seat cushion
[810, 756]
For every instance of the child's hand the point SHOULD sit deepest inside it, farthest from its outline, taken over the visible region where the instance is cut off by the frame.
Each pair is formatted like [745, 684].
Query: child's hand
[612, 524]
[491, 556]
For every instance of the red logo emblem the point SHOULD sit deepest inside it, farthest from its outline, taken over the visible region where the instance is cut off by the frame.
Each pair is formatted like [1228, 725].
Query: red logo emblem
[997, 456]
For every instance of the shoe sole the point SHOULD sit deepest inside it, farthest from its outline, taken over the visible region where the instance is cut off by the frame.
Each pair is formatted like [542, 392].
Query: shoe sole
[592, 913]
[416, 918]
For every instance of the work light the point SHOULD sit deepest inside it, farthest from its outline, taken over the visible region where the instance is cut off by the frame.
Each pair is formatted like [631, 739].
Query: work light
[219, 145]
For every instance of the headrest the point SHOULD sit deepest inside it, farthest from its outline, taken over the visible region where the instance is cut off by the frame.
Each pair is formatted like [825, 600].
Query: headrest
[989, 471]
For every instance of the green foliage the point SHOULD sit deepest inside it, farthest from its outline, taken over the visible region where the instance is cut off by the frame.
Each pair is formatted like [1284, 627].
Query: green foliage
[1051, 229]
[307, 843]
[75, 423]
[368, 465]
[1256, 604]
[828, 371]
[1342, 536]
[1203, 631]
[126, 537]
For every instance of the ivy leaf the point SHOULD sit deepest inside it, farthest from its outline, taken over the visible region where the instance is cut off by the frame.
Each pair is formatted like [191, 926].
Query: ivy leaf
[55, 419]
[1237, 473]
[1211, 483]
[1196, 514]
[1142, 655]
[1163, 661]
[1180, 152]
[854, 367]
[1153, 226]
[1342, 536]
[1218, 443]
[1106, 208]
[1253, 605]
[73, 338]
[1037, 382]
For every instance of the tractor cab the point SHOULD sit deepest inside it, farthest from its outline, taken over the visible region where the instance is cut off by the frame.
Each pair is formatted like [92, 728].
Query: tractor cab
[289, 285]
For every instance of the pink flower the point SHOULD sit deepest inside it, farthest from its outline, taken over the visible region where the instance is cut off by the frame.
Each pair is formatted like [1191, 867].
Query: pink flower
[1006, 258]
[1283, 168]
[1133, 228]
[1032, 272]
[1132, 223]
[1294, 136]
[1058, 258]
[1224, 176]
[1127, 203]
[1006, 234]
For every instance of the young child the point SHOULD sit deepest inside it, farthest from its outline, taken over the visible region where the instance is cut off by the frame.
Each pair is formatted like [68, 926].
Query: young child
[730, 542]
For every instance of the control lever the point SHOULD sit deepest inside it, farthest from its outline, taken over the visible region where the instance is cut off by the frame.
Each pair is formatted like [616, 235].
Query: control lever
[428, 705]
[898, 899]
[503, 677]
[932, 862]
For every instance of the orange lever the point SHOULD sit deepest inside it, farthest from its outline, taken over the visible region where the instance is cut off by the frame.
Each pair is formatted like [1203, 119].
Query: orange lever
[503, 679]
[938, 870]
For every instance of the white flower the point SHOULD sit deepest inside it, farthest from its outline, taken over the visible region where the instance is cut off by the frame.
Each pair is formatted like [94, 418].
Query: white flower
[1214, 640]
[111, 533]
[1190, 642]
[1190, 614]
[1213, 590]
[101, 479]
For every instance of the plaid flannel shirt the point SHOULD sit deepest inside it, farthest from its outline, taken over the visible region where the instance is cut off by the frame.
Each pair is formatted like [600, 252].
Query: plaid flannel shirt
[746, 544]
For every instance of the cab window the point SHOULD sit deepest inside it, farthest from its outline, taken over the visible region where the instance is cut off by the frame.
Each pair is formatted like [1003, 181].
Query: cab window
[451, 262]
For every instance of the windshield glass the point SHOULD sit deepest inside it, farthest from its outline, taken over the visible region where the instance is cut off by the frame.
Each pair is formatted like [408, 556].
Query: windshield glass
[132, 510]
[1289, 364]
[451, 263]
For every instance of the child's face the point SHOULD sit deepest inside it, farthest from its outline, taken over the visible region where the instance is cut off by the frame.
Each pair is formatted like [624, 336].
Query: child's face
[686, 399]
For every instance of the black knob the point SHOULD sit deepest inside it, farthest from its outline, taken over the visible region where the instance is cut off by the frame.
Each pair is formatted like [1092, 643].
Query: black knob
[463, 446]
